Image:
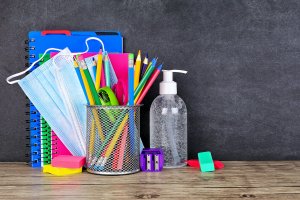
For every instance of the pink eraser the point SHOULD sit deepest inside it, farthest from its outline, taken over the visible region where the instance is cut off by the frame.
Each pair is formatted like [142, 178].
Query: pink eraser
[68, 161]
[218, 164]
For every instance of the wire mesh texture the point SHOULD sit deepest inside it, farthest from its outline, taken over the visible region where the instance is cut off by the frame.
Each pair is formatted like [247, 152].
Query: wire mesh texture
[113, 139]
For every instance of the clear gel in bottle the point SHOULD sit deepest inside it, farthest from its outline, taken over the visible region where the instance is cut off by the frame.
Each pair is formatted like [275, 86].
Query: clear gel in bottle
[168, 122]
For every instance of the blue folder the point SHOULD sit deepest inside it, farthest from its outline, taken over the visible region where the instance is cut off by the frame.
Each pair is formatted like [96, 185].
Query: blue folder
[38, 42]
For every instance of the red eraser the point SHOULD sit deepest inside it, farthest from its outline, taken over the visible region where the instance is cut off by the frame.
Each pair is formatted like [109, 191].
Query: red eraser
[68, 161]
[195, 163]
[218, 164]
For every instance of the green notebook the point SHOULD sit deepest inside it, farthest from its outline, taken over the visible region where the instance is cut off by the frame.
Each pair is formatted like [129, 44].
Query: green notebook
[45, 131]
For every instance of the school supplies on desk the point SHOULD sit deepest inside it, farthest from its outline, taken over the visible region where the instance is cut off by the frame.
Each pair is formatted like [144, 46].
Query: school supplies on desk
[60, 87]
[38, 42]
[61, 103]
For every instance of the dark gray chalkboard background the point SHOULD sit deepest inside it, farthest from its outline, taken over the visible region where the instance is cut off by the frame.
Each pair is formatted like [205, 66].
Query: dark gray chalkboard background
[243, 87]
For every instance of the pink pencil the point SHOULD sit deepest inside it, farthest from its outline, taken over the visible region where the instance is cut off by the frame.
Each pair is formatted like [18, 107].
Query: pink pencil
[149, 84]
[122, 147]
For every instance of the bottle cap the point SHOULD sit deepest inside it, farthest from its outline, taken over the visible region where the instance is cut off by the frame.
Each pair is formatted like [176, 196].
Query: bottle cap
[168, 86]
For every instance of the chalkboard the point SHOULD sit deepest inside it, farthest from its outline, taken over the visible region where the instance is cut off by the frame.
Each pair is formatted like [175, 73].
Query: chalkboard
[242, 89]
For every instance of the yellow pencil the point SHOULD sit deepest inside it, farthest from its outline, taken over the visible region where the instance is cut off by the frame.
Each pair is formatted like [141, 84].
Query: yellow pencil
[137, 69]
[99, 70]
[87, 87]
[114, 140]
[92, 102]
[92, 141]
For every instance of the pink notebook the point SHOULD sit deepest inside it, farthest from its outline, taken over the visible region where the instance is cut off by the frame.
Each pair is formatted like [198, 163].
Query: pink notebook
[58, 148]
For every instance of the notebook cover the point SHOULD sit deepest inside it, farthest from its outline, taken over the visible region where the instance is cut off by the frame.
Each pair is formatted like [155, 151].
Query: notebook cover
[38, 42]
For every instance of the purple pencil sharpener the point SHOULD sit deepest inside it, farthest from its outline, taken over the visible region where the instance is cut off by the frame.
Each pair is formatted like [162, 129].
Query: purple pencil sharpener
[152, 160]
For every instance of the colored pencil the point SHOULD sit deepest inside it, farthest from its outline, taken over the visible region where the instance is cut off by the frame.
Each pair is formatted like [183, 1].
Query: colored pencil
[137, 70]
[89, 80]
[145, 64]
[107, 70]
[148, 84]
[80, 78]
[145, 78]
[99, 70]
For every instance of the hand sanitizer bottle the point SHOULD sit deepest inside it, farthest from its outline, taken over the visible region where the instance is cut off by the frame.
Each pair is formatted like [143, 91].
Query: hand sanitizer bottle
[168, 122]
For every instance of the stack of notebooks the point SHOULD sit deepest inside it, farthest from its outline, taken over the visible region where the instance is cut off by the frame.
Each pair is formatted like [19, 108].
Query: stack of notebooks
[44, 143]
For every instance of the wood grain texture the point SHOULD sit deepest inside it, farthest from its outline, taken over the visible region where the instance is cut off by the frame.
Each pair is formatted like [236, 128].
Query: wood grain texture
[238, 180]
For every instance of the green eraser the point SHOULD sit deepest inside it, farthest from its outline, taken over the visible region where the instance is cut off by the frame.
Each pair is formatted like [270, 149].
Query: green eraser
[206, 162]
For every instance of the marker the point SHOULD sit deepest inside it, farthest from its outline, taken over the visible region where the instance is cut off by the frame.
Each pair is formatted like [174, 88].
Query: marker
[137, 69]
[149, 84]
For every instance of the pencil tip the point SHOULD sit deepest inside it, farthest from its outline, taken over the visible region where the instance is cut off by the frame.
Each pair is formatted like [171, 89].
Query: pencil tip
[160, 67]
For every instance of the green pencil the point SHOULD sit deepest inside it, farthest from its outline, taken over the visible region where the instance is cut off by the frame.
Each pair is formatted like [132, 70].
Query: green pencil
[145, 78]
[89, 80]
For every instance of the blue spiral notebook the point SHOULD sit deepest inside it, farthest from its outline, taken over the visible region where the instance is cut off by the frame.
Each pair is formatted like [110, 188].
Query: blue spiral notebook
[38, 42]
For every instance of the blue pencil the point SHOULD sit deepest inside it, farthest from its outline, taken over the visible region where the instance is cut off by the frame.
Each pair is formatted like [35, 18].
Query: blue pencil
[131, 101]
[107, 71]
[80, 78]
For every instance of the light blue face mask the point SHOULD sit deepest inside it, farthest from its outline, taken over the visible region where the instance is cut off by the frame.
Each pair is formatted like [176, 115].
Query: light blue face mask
[56, 92]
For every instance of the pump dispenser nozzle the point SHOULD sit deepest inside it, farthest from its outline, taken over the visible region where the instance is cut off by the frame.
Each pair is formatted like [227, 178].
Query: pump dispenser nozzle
[168, 86]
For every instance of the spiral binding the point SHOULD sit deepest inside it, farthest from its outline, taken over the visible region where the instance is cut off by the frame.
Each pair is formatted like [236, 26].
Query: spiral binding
[33, 129]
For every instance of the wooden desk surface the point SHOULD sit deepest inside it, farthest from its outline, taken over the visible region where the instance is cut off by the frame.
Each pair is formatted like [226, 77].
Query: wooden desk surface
[238, 180]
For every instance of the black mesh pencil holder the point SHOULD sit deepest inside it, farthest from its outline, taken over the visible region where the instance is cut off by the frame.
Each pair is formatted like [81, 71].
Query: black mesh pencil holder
[113, 139]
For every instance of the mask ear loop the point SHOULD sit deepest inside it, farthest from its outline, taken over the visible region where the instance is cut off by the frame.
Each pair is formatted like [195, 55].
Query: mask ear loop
[8, 79]
[87, 49]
